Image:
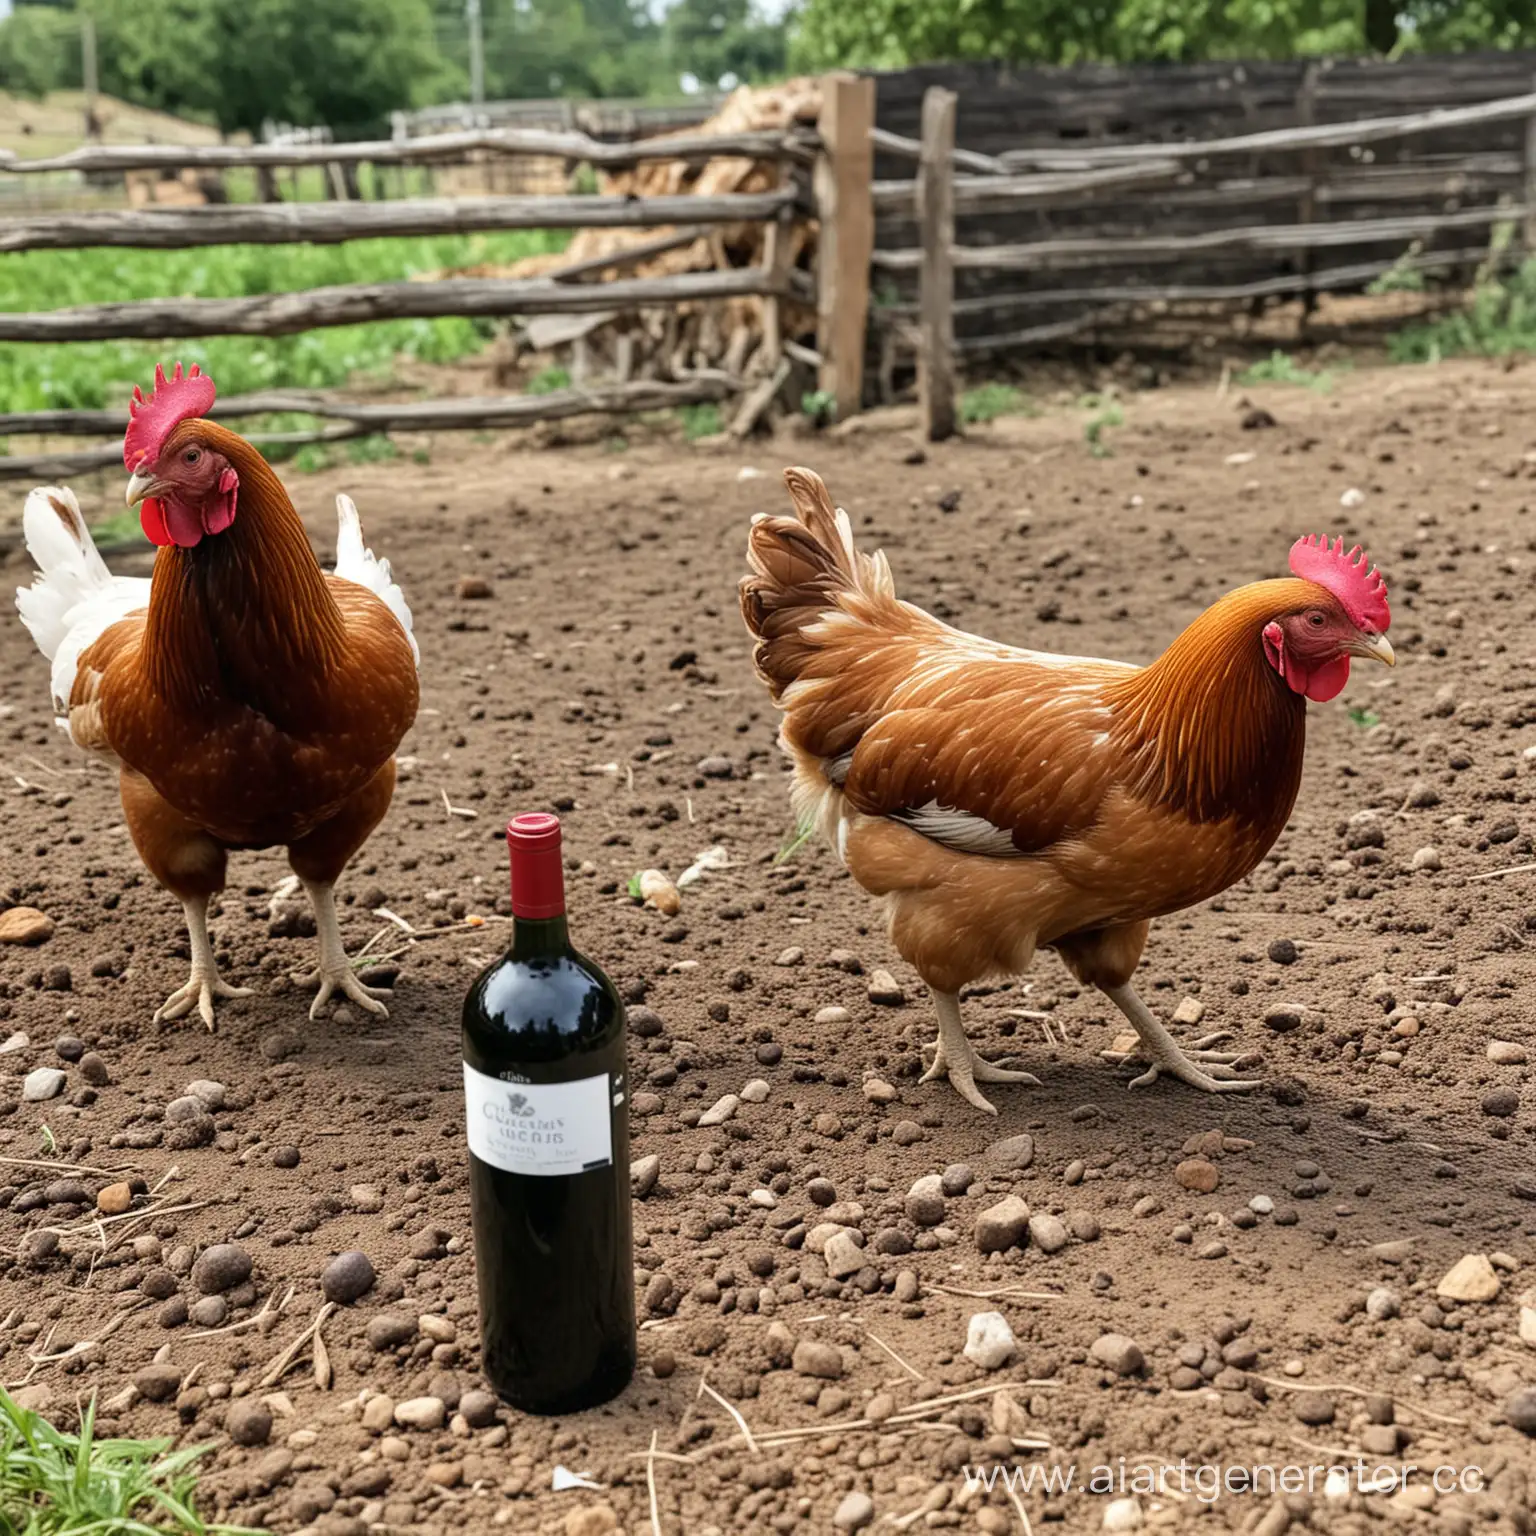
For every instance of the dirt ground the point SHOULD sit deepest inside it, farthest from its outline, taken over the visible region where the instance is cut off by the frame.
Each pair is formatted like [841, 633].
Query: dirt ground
[1390, 989]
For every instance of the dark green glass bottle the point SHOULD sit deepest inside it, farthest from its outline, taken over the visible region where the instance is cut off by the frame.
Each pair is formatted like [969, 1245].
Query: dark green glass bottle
[546, 1089]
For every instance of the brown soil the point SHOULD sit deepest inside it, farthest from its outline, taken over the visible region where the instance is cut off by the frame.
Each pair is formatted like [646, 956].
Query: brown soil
[609, 665]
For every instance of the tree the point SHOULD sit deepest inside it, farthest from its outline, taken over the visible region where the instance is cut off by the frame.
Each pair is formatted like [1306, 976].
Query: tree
[39, 51]
[722, 41]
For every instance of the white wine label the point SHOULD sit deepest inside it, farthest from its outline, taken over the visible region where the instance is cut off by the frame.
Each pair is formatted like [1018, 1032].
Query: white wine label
[539, 1128]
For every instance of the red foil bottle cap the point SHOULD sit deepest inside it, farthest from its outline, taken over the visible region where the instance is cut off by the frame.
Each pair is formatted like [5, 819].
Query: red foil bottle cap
[538, 880]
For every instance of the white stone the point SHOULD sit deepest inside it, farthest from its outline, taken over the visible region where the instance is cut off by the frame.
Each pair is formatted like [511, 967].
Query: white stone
[989, 1341]
[42, 1083]
[1471, 1278]
[1382, 1303]
[755, 1092]
[721, 1110]
[844, 1256]
[1122, 1515]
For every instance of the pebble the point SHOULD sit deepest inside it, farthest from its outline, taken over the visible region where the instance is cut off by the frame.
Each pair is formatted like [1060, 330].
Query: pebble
[441, 1330]
[478, 1408]
[1427, 857]
[1501, 1102]
[813, 1358]
[42, 1083]
[721, 1110]
[1505, 1053]
[115, 1199]
[843, 1256]
[1314, 1408]
[925, 1201]
[158, 1383]
[209, 1311]
[1262, 1205]
[1002, 1226]
[885, 989]
[286, 1157]
[348, 1276]
[38, 1247]
[367, 1198]
[389, 1331]
[1048, 1233]
[794, 955]
[25, 925]
[1282, 951]
[956, 1179]
[1122, 1515]
[1117, 1353]
[1012, 1153]
[94, 1070]
[1520, 1410]
[1382, 1303]
[221, 1268]
[213, 1094]
[378, 1413]
[756, 1092]
[643, 1174]
[421, 1413]
[249, 1422]
[474, 589]
[878, 1091]
[833, 1015]
[1471, 1278]
[591, 1520]
[1197, 1174]
[989, 1341]
[855, 1511]
[1190, 1011]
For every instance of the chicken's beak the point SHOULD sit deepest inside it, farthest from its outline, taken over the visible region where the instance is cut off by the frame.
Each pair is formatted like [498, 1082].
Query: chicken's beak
[140, 485]
[1375, 648]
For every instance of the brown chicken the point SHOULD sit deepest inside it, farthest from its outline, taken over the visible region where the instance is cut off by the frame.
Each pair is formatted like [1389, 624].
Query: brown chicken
[1002, 800]
[250, 699]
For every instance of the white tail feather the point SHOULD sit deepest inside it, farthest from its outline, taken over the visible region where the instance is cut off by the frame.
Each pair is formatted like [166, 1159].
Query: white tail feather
[355, 562]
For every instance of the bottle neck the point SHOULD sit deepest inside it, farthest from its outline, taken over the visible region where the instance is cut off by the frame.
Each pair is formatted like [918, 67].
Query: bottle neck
[534, 938]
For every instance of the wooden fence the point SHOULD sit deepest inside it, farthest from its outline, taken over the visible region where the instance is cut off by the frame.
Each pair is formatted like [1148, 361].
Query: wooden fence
[566, 290]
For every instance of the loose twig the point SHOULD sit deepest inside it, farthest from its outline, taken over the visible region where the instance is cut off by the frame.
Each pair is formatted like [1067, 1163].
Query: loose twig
[290, 1356]
[734, 1412]
[650, 1486]
[1304, 1386]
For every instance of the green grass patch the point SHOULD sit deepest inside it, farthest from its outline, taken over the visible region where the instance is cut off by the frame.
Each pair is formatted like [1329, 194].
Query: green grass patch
[1498, 318]
[58, 1484]
[701, 420]
[93, 374]
[548, 381]
[1281, 368]
[989, 401]
[1106, 413]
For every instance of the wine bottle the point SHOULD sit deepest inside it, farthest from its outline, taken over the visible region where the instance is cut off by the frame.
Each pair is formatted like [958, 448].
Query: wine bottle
[546, 1089]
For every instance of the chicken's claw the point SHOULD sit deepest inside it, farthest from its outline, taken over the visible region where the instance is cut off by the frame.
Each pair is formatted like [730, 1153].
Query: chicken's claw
[1220, 1079]
[199, 992]
[963, 1075]
[346, 981]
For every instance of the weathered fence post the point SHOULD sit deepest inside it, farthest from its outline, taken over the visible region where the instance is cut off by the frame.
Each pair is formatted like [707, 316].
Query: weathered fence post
[1529, 182]
[936, 219]
[844, 172]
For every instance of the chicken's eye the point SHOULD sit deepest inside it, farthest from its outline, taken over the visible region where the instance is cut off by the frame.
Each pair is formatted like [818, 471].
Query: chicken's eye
[1315, 619]
[191, 456]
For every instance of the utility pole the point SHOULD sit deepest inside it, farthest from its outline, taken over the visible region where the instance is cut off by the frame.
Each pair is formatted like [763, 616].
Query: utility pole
[476, 52]
[88, 71]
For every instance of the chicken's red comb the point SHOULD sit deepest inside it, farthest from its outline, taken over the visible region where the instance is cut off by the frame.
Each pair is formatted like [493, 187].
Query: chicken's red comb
[1362, 592]
[172, 400]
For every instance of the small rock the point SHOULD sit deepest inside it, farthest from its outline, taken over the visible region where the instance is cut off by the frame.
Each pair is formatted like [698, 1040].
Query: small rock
[925, 1201]
[1013, 1153]
[956, 1179]
[249, 1422]
[209, 1311]
[813, 1358]
[756, 1092]
[25, 925]
[158, 1284]
[989, 1341]
[348, 1276]
[94, 1070]
[478, 1408]
[389, 1331]
[1471, 1278]
[885, 989]
[643, 1174]
[1122, 1515]
[211, 1093]
[1426, 858]
[378, 1414]
[878, 1091]
[1190, 1011]
[1002, 1226]
[1282, 951]
[1314, 1408]
[473, 589]
[1048, 1233]
[1117, 1353]
[221, 1268]
[833, 1015]
[42, 1082]
[1506, 1053]
[158, 1383]
[843, 1256]
[1501, 1102]
[421, 1413]
[115, 1199]
[1198, 1174]
[721, 1110]
[794, 955]
[854, 1512]
[1520, 1410]
[1383, 1303]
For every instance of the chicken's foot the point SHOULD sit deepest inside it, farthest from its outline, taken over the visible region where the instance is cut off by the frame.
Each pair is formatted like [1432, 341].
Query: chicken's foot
[335, 973]
[1166, 1055]
[954, 1058]
[204, 984]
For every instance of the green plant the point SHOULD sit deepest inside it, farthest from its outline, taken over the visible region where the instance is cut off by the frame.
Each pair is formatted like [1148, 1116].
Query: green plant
[1498, 317]
[548, 380]
[372, 449]
[820, 405]
[701, 420]
[989, 401]
[1402, 276]
[1281, 368]
[634, 886]
[1106, 413]
[794, 842]
[57, 1484]
[1363, 717]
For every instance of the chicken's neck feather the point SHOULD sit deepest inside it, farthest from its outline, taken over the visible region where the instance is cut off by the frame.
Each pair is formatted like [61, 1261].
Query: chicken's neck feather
[247, 614]
[1212, 727]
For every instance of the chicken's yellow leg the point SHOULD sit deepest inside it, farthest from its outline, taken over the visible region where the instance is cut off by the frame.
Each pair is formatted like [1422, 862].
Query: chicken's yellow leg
[954, 1058]
[204, 984]
[1166, 1055]
[335, 973]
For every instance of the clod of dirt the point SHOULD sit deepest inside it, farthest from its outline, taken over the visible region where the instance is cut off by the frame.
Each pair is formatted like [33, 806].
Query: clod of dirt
[812, 1357]
[158, 1383]
[1117, 1353]
[249, 1422]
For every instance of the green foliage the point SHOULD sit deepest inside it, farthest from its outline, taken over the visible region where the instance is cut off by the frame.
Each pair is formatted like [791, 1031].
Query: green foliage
[794, 842]
[989, 401]
[722, 42]
[820, 405]
[39, 51]
[58, 1484]
[1106, 413]
[1498, 318]
[1363, 717]
[89, 375]
[1281, 368]
[548, 380]
[701, 420]
[893, 33]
